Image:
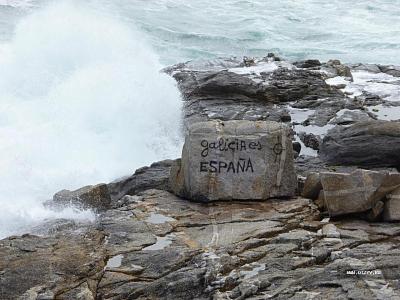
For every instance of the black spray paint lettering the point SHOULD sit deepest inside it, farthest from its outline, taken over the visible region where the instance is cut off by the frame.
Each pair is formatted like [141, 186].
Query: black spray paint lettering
[227, 144]
[241, 166]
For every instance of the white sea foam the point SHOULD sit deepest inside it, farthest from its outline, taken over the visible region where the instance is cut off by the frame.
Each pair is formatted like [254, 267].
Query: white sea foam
[267, 67]
[82, 101]
[16, 3]
[298, 116]
[388, 113]
[381, 84]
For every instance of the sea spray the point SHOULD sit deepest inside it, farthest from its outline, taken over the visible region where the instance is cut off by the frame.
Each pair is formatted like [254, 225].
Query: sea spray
[82, 101]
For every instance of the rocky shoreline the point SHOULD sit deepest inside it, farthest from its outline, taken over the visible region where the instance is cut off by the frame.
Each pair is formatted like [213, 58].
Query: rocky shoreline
[147, 243]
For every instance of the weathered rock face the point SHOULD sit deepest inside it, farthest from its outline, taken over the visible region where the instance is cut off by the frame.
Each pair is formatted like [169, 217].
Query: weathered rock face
[150, 244]
[350, 193]
[356, 192]
[241, 160]
[33, 267]
[89, 197]
[285, 83]
[350, 117]
[155, 176]
[163, 247]
[370, 144]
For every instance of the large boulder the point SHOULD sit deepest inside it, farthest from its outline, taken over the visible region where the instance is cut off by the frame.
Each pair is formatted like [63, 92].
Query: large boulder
[95, 197]
[355, 192]
[240, 160]
[350, 193]
[368, 144]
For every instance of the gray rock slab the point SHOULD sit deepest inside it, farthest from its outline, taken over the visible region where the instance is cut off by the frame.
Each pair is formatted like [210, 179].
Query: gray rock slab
[367, 144]
[350, 193]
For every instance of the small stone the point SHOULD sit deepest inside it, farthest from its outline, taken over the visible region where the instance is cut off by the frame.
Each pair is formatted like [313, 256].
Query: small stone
[300, 184]
[310, 140]
[325, 220]
[330, 231]
[392, 207]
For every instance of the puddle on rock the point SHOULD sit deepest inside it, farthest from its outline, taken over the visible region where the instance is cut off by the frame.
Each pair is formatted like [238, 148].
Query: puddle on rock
[162, 242]
[381, 84]
[387, 113]
[253, 271]
[159, 219]
[115, 261]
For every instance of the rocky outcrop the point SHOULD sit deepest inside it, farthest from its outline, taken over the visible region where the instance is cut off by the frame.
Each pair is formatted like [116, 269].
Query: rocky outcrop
[62, 266]
[310, 140]
[163, 247]
[313, 96]
[89, 197]
[233, 89]
[360, 191]
[369, 144]
[280, 82]
[155, 176]
[147, 243]
[240, 160]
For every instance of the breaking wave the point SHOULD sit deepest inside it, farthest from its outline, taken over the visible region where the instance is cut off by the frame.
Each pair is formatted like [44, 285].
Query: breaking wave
[82, 101]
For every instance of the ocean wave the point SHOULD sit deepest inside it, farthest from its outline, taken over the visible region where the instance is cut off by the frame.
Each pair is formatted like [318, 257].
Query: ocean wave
[82, 101]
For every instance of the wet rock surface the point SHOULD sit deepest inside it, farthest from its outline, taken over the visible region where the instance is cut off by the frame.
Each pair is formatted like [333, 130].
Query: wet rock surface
[163, 247]
[147, 243]
[89, 197]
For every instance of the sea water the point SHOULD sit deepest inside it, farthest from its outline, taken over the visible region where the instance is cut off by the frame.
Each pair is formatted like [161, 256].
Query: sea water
[82, 98]
[82, 101]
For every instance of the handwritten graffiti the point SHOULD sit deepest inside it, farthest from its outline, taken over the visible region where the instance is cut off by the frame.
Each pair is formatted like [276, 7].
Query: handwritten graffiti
[241, 166]
[227, 144]
[278, 148]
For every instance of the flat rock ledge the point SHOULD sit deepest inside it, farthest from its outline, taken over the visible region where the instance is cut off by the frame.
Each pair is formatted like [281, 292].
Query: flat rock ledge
[158, 246]
[146, 243]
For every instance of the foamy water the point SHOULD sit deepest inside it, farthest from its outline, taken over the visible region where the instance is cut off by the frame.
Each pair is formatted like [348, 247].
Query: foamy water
[82, 101]
[16, 3]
